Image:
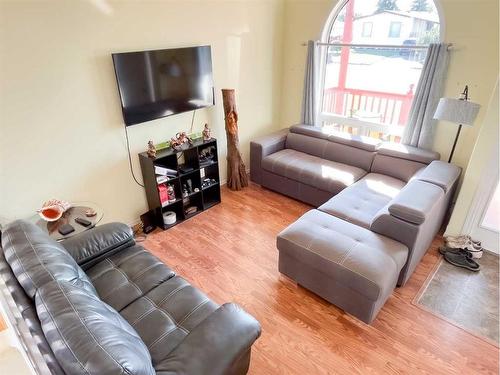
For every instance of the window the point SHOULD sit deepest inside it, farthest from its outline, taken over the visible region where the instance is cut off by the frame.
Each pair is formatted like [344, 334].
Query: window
[373, 56]
[367, 29]
[395, 30]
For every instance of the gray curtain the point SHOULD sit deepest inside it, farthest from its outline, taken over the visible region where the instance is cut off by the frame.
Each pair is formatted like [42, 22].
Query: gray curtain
[419, 130]
[310, 96]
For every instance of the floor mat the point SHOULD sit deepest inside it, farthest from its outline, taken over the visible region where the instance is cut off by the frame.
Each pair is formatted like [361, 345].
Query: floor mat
[464, 298]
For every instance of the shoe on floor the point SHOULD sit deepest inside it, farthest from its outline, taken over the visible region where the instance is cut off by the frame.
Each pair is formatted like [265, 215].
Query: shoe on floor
[466, 243]
[445, 249]
[462, 241]
[460, 259]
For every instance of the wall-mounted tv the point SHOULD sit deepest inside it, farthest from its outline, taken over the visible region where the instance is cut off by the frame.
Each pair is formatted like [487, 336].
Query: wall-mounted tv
[161, 83]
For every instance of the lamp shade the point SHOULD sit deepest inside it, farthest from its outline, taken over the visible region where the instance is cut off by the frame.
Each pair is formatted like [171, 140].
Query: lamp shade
[458, 111]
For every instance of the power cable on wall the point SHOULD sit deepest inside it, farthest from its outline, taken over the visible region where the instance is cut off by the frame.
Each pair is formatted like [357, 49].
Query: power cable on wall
[190, 131]
[130, 159]
[192, 123]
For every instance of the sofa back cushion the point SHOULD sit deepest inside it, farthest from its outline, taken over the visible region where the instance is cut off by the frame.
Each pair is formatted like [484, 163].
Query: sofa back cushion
[86, 335]
[440, 173]
[36, 259]
[331, 150]
[401, 161]
[401, 169]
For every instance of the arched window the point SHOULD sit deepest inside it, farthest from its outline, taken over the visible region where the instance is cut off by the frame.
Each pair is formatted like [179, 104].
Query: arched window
[373, 53]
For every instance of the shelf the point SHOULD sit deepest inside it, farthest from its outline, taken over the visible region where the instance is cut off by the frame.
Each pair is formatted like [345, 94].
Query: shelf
[171, 179]
[210, 204]
[208, 164]
[208, 187]
[188, 156]
[188, 173]
[166, 204]
[169, 151]
[193, 214]
[191, 194]
[165, 226]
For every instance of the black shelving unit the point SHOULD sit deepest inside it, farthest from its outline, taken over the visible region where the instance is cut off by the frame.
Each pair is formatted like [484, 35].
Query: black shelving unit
[189, 165]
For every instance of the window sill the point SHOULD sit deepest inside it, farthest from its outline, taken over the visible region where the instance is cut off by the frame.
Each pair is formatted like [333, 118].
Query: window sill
[364, 126]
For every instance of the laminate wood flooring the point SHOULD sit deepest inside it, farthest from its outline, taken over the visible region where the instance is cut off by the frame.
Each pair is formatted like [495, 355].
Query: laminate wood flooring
[230, 253]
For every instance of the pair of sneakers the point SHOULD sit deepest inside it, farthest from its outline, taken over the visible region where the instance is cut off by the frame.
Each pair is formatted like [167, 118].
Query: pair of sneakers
[466, 243]
[460, 258]
[461, 251]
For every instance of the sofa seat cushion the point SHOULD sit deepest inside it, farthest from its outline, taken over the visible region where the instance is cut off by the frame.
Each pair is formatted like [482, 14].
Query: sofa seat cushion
[355, 257]
[360, 202]
[164, 316]
[311, 170]
[36, 259]
[127, 275]
[86, 335]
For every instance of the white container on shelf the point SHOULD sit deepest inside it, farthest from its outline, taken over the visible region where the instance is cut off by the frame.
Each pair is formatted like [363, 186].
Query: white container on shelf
[169, 217]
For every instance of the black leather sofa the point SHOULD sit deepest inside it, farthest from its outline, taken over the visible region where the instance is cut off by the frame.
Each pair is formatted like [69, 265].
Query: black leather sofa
[100, 304]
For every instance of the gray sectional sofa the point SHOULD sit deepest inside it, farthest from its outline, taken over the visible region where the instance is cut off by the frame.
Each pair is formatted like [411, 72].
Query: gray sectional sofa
[379, 206]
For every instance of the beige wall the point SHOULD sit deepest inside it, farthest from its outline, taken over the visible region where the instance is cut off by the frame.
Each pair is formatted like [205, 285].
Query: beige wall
[62, 132]
[471, 25]
[304, 20]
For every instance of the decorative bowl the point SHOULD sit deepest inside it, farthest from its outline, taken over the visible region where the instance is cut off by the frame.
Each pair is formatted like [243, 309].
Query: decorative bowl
[51, 213]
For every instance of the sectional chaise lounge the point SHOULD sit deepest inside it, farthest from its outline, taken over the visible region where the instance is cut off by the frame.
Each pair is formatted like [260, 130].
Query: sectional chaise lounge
[379, 207]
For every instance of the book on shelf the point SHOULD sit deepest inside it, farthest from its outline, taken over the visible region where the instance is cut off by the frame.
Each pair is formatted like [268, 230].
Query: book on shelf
[162, 179]
[163, 171]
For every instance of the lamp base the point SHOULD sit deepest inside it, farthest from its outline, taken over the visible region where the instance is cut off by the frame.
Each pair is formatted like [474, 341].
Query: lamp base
[455, 143]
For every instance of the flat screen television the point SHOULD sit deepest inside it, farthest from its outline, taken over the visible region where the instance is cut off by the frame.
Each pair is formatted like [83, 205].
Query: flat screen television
[159, 83]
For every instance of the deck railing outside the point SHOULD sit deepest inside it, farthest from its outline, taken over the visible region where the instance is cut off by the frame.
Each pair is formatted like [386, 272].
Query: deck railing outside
[372, 113]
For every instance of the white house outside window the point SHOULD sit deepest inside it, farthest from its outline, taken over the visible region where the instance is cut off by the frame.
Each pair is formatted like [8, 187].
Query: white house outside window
[374, 51]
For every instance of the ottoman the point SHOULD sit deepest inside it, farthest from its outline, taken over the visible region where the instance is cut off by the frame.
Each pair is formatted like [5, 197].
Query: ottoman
[349, 266]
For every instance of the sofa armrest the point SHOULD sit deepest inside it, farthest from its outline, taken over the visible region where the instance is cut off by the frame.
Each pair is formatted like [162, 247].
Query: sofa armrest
[440, 173]
[215, 346]
[415, 201]
[262, 147]
[413, 218]
[98, 243]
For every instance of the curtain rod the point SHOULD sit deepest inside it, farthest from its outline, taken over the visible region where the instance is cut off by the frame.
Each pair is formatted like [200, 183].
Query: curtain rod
[450, 45]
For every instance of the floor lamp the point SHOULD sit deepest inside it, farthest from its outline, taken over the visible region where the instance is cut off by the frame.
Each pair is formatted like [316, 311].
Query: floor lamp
[459, 111]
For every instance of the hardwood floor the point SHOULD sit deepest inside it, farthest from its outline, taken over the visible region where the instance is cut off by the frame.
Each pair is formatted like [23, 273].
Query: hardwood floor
[229, 252]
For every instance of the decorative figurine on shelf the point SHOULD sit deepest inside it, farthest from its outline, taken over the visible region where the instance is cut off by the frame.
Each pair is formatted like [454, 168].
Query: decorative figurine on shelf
[207, 133]
[179, 139]
[170, 193]
[207, 182]
[151, 150]
[207, 156]
[189, 185]
[185, 191]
